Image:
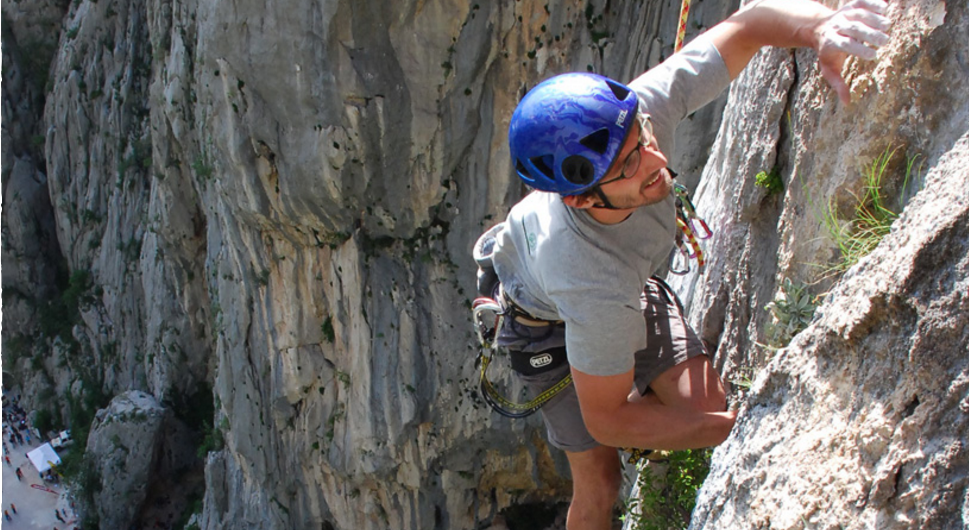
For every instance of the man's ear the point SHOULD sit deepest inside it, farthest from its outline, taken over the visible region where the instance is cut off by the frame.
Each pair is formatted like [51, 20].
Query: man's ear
[582, 201]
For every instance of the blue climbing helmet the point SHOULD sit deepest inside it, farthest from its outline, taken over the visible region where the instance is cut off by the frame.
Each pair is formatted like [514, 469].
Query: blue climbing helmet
[567, 131]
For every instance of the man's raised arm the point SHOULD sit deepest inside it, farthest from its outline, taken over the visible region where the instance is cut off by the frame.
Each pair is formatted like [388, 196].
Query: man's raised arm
[855, 29]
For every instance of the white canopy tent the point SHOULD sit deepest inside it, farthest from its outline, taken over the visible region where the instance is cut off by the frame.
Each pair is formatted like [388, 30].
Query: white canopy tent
[43, 457]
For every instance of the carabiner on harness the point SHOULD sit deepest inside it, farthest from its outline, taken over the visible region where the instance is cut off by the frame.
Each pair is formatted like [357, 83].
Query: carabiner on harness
[679, 258]
[687, 211]
[487, 315]
[691, 227]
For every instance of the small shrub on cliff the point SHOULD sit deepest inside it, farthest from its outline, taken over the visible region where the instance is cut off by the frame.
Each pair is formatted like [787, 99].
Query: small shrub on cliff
[771, 182]
[44, 421]
[793, 309]
[213, 440]
[326, 328]
[194, 508]
[17, 345]
[202, 170]
[665, 501]
[58, 315]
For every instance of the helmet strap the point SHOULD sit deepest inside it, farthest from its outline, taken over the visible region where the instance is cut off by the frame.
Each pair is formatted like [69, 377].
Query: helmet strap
[605, 200]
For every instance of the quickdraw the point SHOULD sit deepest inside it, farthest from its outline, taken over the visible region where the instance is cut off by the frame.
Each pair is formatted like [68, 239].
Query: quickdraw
[687, 211]
[692, 228]
[694, 244]
[488, 317]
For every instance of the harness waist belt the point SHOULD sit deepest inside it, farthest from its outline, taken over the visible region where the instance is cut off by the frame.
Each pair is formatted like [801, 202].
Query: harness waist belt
[534, 363]
[521, 316]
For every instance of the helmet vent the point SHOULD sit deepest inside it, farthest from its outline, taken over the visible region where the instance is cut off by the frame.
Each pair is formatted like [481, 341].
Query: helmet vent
[541, 164]
[578, 169]
[522, 170]
[597, 141]
[618, 90]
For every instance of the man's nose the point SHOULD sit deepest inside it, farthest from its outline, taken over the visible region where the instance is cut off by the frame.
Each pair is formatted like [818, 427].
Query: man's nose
[653, 158]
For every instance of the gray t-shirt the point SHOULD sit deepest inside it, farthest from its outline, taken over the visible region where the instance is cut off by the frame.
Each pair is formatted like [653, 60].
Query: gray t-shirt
[558, 263]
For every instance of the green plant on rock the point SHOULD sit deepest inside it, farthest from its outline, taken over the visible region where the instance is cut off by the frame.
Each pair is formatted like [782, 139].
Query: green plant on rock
[872, 219]
[45, 421]
[58, 315]
[792, 309]
[202, 170]
[194, 506]
[213, 438]
[743, 378]
[665, 501]
[17, 345]
[771, 182]
[79, 470]
[326, 328]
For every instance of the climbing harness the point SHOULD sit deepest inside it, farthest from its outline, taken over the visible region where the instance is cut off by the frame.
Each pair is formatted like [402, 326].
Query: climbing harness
[488, 317]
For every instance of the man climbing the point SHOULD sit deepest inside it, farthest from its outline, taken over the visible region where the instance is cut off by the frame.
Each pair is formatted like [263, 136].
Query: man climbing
[576, 259]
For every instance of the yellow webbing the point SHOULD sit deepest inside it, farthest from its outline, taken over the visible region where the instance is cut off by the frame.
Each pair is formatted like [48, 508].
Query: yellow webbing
[510, 408]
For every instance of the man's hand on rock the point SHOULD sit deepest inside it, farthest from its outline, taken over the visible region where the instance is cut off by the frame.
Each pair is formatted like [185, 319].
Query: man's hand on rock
[858, 29]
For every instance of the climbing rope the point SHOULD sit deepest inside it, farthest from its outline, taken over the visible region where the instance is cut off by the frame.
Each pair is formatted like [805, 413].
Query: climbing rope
[681, 32]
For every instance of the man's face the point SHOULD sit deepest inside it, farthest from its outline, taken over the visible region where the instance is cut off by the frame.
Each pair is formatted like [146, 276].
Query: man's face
[639, 177]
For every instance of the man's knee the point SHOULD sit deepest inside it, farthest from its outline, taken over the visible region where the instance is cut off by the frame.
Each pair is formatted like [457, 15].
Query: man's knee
[711, 402]
[605, 481]
[594, 496]
[694, 383]
[596, 477]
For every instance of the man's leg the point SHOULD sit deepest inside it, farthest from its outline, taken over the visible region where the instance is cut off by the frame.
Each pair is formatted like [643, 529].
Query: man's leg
[693, 384]
[687, 378]
[596, 477]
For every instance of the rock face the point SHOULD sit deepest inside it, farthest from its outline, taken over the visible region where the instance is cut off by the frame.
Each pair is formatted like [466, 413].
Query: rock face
[125, 441]
[269, 213]
[859, 422]
[262, 216]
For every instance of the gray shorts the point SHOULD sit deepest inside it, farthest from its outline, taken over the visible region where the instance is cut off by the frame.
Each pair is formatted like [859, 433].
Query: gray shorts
[670, 340]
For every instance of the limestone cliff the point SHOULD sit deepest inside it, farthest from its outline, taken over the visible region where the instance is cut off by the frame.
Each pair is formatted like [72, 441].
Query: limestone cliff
[260, 215]
[265, 212]
[861, 421]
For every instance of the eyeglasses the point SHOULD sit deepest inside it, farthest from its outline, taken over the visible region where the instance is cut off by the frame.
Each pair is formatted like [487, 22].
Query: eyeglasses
[631, 164]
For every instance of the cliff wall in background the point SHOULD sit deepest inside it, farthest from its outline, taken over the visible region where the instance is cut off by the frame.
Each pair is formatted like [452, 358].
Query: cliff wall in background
[260, 216]
[243, 230]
